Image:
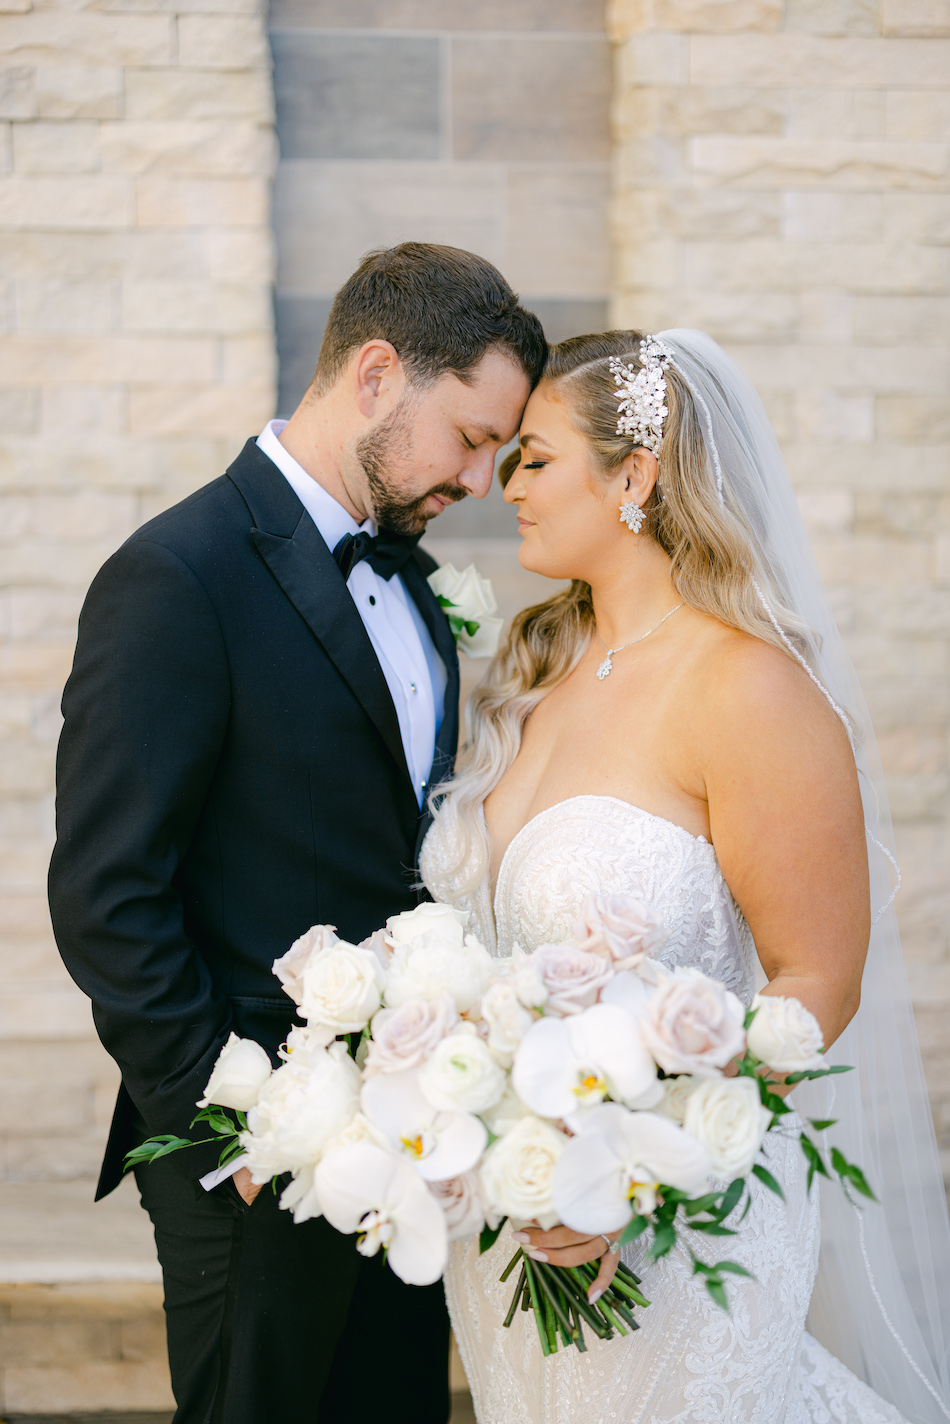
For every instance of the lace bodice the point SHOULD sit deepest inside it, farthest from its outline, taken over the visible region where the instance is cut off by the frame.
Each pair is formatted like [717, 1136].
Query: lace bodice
[597, 844]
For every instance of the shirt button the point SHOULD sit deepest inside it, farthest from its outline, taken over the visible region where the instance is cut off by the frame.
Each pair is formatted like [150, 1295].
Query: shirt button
[415, 689]
[372, 599]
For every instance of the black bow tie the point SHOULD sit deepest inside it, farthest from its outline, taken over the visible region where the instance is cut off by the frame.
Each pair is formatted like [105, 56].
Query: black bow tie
[386, 553]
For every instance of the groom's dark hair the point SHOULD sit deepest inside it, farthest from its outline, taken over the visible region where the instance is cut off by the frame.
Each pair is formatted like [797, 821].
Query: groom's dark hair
[441, 307]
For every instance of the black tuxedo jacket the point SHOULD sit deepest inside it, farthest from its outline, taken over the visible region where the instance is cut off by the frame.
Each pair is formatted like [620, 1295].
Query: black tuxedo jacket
[230, 772]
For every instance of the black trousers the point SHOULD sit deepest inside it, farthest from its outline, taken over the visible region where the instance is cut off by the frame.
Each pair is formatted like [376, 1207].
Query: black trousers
[268, 1321]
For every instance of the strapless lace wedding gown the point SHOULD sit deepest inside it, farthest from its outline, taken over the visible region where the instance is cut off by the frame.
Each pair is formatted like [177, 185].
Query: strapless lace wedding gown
[690, 1363]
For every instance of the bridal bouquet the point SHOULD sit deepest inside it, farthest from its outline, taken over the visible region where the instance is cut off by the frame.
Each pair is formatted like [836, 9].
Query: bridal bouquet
[436, 1092]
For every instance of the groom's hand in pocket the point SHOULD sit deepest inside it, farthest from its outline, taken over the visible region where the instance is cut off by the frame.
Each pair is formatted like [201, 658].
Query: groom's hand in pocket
[563, 1247]
[245, 1188]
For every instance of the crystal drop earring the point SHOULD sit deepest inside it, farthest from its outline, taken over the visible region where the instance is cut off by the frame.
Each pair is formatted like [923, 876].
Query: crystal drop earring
[633, 516]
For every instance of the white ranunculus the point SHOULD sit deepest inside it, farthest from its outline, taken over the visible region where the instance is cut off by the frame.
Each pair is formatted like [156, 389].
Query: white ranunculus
[517, 1172]
[431, 965]
[461, 1074]
[506, 1018]
[693, 1024]
[426, 919]
[619, 926]
[615, 1166]
[290, 967]
[240, 1071]
[507, 1111]
[461, 1200]
[726, 1115]
[364, 1189]
[564, 1066]
[439, 1144]
[784, 1034]
[405, 1037]
[676, 1092]
[341, 988]
[469, 597]
[301, 1107]
[572, 977]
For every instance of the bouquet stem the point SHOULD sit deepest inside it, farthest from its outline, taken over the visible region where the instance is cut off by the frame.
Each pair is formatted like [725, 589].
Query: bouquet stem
[558, 1297]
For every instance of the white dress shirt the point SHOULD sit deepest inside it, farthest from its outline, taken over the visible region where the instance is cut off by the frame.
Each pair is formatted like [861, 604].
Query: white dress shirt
[415, 674]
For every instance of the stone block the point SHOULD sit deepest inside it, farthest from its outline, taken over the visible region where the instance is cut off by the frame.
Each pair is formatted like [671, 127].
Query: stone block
[19, 411]
[82, 406]
[97, 1385]
[885, 319]
[923, 419]
[198, 202]
[44, 147]
[832, 217]
[834, 417]
[645, 58]
[222, 42]
[33, 1107]
[13, 7]
[357, 206]
[918, 115]
[56, 1011]
[786, 266]
[561, 317]
[916, 17]
[540, 15]
[58, 305]
[819, 62]
[527, 99]
[845, 113]
[250, 358]
[44, 614]
[194, 147]
[827, 509]
[688, 212]
[68, 37]
[183, 94]
[833, 17]
[942, 560]
[669, 109]
[238, 254]
[84, 202]
[78, 91]
[557, 231]
[629, 17]
[781, 162]
[196, 307]
[56, 1343]
[358, 96]
[109, 358]
[104, 255]
[17, 92]
[213, 409]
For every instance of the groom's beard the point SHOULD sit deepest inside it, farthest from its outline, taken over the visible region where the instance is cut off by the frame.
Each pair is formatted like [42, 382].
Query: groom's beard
[387, 446]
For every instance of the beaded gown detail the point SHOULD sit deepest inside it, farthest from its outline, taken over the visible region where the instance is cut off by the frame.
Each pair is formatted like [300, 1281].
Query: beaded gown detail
[690, 1363]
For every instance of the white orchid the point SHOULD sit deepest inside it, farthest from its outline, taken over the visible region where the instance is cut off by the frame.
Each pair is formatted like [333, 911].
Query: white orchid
[616, 1164]
[364, 1189]
[564, 1066]
[438, 1144]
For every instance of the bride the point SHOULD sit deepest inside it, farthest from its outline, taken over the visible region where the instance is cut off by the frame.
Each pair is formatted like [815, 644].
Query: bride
[681, 723]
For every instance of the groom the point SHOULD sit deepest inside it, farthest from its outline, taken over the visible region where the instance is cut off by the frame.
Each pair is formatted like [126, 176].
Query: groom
[263, 690]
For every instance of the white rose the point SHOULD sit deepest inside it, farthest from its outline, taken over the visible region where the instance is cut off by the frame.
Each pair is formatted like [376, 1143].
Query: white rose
[676, 1093]
[430, 966]
[341, 988]
[461, 1200]
[466, 597]
[692, 1024]
[517, 1172]
[461, 1074]
[291, 966]
[404, 1037]
[506, 1018]
[619, 926]
[300, 1109]
[428, 918]
[572, 977]
[726, 1116]
[240, 1071]
[784, 1034]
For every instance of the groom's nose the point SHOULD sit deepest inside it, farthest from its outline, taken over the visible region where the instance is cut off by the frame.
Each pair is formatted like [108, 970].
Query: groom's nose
[477, 476]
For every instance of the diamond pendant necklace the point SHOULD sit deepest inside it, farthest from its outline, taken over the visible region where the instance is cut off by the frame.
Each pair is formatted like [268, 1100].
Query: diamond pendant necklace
[606, 667]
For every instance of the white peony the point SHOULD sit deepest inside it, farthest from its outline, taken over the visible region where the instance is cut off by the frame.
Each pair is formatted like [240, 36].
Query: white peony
[468, 598]
[341, 989]
[517, 1172]
[692, 1024]
[428, 918]
[506, 1018]
[240, 1071]
[565, 1065]
[299, 1110]
[676, 1093]
[431, 965]
[439, 1144]
[617, 1164]
[726, 1116]
[461, 1073]
[291, 966]
[461, 1200]
[404, 1037]
[784, 1034]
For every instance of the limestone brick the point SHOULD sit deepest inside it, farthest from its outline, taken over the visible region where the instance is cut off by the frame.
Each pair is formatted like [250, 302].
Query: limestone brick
[110, 1385]
[46, 147]
[916, 17]
[80, 202]
[833, 17]
[180, 94]
[819, 62]
[222, 42]
[205, 202]
[214, 409]
[17, 92]
[66, 36]
[196, 147]
[78, 91]
[195, 307]
[625, 17]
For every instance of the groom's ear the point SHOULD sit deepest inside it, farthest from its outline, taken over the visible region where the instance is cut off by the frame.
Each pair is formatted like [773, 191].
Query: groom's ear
[378, 377]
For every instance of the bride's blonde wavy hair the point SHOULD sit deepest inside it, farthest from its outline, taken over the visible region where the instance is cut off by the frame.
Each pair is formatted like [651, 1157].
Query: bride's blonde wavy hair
[713, 569]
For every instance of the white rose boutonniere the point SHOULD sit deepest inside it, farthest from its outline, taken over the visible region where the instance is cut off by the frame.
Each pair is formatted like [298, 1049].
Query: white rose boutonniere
[470, 606]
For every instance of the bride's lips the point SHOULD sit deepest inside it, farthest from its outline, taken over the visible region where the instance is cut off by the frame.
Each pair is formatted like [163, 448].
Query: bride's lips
[524, 525]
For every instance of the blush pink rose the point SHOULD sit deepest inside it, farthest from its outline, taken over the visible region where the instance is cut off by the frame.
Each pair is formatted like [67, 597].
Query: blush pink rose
[290, 968]
[572, 977]
[405, 1037]
[692, 1024]
[619, 926]
[465, 1211]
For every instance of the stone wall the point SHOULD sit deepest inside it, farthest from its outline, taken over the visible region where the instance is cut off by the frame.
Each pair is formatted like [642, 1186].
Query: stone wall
[136, 351]
[782, 179]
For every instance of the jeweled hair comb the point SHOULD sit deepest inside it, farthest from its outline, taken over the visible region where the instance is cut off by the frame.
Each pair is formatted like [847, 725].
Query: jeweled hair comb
[642, 406]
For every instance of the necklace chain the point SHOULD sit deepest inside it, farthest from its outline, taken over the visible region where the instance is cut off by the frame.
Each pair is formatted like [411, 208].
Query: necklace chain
[606, 666]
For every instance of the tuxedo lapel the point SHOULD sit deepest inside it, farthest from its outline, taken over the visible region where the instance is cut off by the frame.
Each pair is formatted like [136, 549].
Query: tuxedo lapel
[446, 745]
[294, 551]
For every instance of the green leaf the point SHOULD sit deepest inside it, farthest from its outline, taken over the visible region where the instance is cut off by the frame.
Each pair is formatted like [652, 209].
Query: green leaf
[471, 627]
[664, 1239]
[767, 1180]
[731, 1198]
[489, 1236]
[847, 1171]
[712, 1228]
[821, 1124]
[814, 1159]
[718, 1292]
[697, 1204]
[749, 1016]
[735, 1269]
[445, 602]
[810, 1073]
[633, 1229]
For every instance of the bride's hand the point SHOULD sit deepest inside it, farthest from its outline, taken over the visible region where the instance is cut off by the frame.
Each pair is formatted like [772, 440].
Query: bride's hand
[563, 1247]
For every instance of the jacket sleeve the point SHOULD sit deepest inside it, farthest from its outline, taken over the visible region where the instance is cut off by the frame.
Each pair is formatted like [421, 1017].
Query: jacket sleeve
[145, 714]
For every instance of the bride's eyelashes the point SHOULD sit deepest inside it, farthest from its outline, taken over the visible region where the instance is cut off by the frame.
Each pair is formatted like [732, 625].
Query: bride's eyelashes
[535, 465]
